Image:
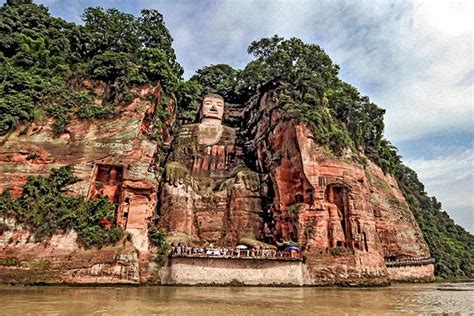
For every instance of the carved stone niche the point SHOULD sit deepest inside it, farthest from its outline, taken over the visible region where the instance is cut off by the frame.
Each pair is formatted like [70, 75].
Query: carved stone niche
[106, 181]
[136, 205]
[339, 225]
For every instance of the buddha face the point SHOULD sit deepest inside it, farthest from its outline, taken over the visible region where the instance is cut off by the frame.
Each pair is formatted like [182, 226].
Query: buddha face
[212, 108]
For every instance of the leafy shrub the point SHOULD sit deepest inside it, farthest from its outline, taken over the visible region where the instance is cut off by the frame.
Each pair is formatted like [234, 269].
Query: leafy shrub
[46, 210]
[3, 228]
[10, 262]
[340, 251]
[156, 236]
[295, 208]
[60, 123]
[37, 264]
[96, 111]
[188, 96]
[109, 66]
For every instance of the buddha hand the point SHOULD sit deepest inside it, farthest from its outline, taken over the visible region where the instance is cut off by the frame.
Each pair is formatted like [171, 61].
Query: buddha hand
[177, 174]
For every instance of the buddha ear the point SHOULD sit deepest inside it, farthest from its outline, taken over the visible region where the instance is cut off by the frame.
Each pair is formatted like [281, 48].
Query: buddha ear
[198, 116]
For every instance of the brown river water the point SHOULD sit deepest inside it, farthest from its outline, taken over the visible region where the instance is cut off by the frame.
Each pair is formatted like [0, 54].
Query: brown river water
[434, 298]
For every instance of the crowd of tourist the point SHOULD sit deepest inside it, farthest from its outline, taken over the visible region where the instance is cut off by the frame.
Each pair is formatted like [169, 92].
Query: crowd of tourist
[183, 250]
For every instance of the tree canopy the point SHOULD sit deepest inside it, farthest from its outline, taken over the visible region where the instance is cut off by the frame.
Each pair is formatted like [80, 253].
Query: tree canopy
[42, 58]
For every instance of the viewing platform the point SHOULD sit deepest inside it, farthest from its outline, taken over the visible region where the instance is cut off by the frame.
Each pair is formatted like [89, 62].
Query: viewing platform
[233, 266]
[233, 253]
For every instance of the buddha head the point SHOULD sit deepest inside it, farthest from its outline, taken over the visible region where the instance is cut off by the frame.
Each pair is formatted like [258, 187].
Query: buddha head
[212, 107]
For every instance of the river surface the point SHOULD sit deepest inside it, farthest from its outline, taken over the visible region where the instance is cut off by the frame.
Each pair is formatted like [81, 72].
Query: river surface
[456, 298]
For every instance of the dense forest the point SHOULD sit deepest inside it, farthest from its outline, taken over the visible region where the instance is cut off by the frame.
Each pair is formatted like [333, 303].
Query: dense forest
[44, 61]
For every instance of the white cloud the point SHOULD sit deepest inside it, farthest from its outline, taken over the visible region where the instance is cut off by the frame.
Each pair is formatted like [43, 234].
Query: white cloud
[451, 180]
[408, 56]
[426, 98]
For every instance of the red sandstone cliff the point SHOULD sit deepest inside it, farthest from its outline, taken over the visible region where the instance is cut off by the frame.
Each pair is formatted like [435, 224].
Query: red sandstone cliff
[348, 218]
[113, 158]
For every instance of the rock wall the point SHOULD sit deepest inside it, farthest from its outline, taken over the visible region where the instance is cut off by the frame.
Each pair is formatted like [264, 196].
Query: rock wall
[220, 271]
[61, 260]
[422, 273]
[267, 181]
[114, 158]
[349, 218]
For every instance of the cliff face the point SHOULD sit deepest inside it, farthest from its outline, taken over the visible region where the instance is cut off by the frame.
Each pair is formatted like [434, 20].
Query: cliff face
[269, 182]
[113, 158]
[373, 222]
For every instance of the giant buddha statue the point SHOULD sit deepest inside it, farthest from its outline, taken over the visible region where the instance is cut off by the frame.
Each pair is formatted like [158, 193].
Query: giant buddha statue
[208, 193]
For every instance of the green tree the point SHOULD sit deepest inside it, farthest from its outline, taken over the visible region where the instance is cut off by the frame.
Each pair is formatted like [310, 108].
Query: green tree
[157, 69]
[306, 67]
[110, 30]
[44, 61]
[188, 97]
[46, 210]
[221, 79]
[154, 34]
[18, 2]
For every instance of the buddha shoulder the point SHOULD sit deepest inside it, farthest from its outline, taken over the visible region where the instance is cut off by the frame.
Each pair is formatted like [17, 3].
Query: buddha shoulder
[188, 130]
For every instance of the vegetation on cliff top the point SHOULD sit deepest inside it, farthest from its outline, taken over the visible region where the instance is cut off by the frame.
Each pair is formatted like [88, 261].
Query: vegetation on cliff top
[44, 61]
[45, 209]
[308, 90]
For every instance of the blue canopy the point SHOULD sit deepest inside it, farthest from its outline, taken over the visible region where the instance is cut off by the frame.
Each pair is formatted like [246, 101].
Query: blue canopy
[293, 248]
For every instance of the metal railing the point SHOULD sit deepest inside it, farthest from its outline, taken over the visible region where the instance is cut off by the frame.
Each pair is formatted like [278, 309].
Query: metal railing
[191, 252]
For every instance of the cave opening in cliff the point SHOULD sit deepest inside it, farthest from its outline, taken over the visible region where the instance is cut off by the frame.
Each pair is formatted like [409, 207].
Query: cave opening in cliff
[364, 241]
[338, 195]
[299, 198]
[126, 209]
[310, 196]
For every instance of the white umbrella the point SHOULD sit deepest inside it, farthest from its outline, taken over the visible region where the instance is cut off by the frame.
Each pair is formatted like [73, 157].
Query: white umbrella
[241, 247]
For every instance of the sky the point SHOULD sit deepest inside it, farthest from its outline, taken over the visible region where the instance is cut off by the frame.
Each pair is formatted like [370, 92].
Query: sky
[413, 58]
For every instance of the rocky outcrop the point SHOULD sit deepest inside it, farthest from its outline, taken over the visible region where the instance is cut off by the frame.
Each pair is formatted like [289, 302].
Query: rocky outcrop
[113, 158]
[267, 181]
[61, 260]
[348, 218]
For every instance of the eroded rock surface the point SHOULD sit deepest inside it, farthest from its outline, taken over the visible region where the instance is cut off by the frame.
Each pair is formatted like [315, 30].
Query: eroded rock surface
[267, 181]
[348, 218]
[113, 158]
